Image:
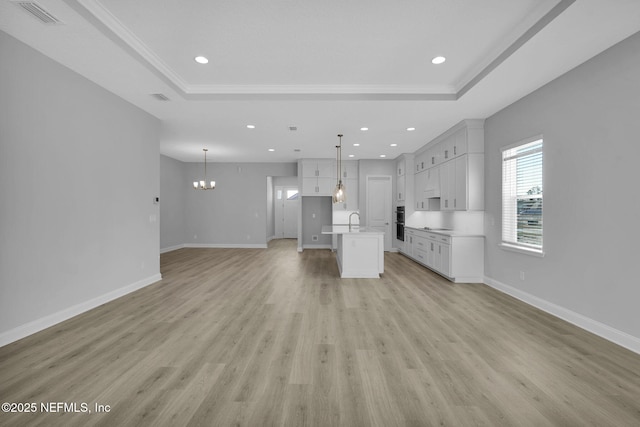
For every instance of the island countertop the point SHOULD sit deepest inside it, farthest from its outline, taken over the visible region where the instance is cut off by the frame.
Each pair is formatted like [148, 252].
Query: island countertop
[344, 229]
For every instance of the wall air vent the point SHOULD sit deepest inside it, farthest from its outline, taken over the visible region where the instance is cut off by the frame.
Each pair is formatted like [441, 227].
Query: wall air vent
[160, 97]
[38, 12]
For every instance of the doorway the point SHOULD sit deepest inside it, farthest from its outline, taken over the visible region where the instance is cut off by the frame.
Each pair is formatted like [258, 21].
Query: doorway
[286, 212]
[379, 206]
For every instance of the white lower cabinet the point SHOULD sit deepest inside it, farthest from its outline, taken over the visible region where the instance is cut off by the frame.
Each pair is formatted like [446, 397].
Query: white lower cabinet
[458, 258]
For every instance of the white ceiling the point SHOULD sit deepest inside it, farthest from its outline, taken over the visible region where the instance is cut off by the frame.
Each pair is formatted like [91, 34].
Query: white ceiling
[325, 67]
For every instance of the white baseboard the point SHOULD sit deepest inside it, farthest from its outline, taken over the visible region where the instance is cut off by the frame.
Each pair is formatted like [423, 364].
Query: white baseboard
[171, 248]
[324, 246]
[604, 331]
[227, 245]
[55, 318]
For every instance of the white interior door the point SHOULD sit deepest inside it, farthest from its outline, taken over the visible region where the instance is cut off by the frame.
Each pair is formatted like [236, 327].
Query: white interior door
[379, 197]
[286, 212]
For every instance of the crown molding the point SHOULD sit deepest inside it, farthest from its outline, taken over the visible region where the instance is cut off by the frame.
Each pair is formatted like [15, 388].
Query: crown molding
[99, 16]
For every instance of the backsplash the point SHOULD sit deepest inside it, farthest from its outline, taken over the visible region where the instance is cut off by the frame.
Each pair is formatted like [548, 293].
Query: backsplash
[462, 221]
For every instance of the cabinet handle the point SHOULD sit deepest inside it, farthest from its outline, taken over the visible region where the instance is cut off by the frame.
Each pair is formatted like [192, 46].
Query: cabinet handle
[433, 160]
[439, 249]
[446, 154]
[317, 173]
[432, 246]
[454, 150]
[422, 165]
[446, 203]
[455, 203]
[317, 189]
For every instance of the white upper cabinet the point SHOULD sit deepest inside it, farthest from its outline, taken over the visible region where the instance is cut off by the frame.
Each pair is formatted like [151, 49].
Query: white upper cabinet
[462, 183]
[454, 164]
[349, 175]
[422, 162]
[432, 185]
[349, 170]
[318, 177]
[401, 167]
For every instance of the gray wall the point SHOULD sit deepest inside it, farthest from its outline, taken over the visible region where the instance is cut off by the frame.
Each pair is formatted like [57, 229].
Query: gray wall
[271, 225]
[321, 208]
[235, 214]
[79, 168]
[172, 202]
[589, 119]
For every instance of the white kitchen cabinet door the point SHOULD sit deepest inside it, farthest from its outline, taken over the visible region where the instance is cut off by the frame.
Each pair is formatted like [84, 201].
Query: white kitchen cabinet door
[460, 143]
[326, 169]
[443, 259]
[349, 170]
[422, 161]
[400, 188]
[351, 190]
[447, 185]
[460, 185]
[432, 185]
[408, 243]
[420, 184]
[401, 167]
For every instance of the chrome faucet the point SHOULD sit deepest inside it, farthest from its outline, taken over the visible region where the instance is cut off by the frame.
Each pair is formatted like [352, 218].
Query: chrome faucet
[350, 215]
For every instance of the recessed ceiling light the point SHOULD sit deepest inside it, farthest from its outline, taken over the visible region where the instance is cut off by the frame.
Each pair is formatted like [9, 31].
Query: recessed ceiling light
[383, 155]
[393, 145]
[356, 145]
[272, 149]
[251, 126]
[352, 155]
[438, 60]
[363, 129]
[411, 129]
[201, 60]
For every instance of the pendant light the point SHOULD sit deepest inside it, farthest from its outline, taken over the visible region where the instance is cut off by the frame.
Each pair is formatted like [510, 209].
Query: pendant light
[339, 194]
[204, 185]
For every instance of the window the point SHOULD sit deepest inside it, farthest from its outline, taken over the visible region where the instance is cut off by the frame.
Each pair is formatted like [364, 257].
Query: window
[522, 196]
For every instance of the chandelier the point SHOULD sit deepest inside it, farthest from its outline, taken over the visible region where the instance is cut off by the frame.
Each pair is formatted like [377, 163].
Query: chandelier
[339, 194]
[204, 185]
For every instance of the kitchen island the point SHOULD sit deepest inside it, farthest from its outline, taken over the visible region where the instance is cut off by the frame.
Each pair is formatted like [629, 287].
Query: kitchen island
[360, 252]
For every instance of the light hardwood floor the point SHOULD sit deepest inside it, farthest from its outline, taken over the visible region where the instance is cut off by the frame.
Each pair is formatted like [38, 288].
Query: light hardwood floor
[253, 337]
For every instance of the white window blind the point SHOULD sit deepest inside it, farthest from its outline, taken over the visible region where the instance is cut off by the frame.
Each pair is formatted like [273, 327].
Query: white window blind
[522, 195]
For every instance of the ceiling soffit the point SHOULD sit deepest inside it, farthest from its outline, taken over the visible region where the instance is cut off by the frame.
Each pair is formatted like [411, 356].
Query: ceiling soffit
[108, 24]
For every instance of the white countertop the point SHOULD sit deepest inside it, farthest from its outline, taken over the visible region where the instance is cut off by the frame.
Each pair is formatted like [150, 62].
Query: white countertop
[344, 229]
[451, 233]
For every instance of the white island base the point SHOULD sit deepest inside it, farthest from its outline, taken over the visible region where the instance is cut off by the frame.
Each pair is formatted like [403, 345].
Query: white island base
[360, 252]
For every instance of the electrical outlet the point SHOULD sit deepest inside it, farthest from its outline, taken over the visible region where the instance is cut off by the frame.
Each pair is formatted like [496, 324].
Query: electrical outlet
[314, 238]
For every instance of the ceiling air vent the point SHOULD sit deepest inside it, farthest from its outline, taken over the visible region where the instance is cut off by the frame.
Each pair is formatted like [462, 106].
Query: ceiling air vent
[160, 97]
[293, 128]
[38, 12]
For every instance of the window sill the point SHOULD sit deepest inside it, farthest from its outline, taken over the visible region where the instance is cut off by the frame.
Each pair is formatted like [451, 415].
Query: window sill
[521, 250]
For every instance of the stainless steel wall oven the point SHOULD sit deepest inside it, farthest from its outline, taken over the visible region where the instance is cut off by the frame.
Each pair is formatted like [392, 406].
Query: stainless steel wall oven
[400, 223]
